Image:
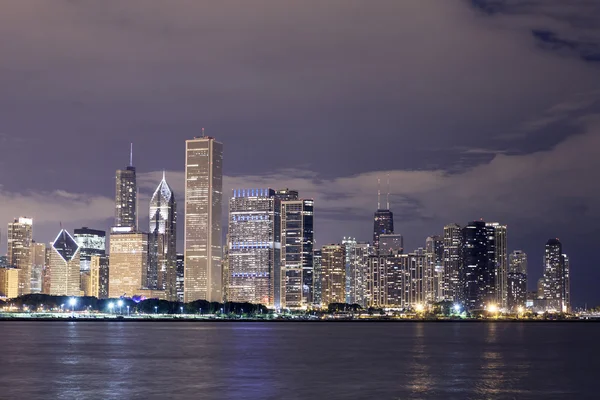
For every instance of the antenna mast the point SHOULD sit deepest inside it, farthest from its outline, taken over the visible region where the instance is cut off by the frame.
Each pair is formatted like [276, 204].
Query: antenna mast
[378, 194]
[388, 192]
[131, 154]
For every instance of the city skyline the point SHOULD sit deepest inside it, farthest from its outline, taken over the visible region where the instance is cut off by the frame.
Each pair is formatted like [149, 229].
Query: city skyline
[506, 129]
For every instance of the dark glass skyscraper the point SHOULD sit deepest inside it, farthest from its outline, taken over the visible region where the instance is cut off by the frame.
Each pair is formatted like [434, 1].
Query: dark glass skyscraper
[383, 224]
[478, 272]
[126, 198]
[92, 242]
[162, 241]
[556, 280]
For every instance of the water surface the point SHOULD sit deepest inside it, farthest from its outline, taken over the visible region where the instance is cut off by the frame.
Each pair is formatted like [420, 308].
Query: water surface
[164, 360]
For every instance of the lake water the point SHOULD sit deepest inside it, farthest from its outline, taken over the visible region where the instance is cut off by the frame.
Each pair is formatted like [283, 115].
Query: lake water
[162, 360]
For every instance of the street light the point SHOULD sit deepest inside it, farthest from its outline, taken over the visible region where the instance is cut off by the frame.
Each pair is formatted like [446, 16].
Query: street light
[457, 308]
[128, 311]
[420, 308]
[155, 309]
[72, 302]
[181, 309]
[120, 304]
[110, 307]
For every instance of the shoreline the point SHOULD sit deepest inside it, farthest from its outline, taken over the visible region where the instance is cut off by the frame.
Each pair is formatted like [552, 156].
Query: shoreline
[198, 320]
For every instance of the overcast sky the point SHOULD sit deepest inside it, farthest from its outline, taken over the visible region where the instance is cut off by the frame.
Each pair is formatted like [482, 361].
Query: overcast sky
[476, 109]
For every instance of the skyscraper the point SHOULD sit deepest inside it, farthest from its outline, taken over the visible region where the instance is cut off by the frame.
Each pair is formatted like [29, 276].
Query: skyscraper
[126, 197]
[478, 274]
[203, 204]
[162, 241]
[383, 224]
[333, 274]
[99, 276]
[317, 277]
[357, 256]
[38, 263]
[517, 280]
[91, 242]
[297, 239]
[254, 245]
[64, 266]
[567, 283]
[9, 282]
[180, 281]
[434, 276]
[391, 243]
[453, 290]
[501, 260]
[19, 251]
[556, 277]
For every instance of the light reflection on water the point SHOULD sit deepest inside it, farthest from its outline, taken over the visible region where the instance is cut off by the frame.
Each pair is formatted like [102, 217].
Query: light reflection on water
[128, 360]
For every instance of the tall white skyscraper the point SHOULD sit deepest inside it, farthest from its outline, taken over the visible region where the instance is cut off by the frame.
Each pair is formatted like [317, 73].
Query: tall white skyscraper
[501, 259]
[203, 206]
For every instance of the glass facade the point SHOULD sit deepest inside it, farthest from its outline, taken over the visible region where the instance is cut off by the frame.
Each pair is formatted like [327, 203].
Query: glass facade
[64, 266]
[333, 274]
[162, 241]
[126, 198]
[254, 245]
[92, 242]
[383, 224]
[478, 275]
[19, 240]
[452, 262]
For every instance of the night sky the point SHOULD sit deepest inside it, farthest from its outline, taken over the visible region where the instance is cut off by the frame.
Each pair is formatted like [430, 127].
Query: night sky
[476, 109]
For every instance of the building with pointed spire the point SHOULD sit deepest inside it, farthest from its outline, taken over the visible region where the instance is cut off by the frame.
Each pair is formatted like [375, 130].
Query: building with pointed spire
[64, 266]
[162, 241]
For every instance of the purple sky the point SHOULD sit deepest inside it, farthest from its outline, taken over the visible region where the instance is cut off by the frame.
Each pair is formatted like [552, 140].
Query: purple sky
[482, 108]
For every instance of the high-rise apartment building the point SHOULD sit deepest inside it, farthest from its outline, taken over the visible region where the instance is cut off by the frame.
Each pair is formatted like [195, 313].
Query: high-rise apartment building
[254, 245]
[297, 240]
[162, 241]
[478, 274]
[99, 276]
[434, 270]
[126, 197]
[203, 207]
[38, 263]
[517, 281]
[357, 272]
[453, 290]
[317, 277]
[556, 281]
[19, 251]
[91, 242]
[396, 280]
[501, 260]
[333, 274]
[64, 266]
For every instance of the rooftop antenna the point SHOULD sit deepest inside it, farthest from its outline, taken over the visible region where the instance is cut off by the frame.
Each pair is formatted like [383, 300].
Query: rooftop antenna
[164, 172]
[378, 194]
[131, 154]
[203, 135]
[388, 192]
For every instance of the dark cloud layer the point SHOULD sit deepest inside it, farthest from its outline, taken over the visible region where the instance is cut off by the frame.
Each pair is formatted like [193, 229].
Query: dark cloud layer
[475, 109]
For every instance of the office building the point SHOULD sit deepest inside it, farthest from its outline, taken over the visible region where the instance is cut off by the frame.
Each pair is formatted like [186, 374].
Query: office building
[383, 224]
[333, 274]
[3, 262]
[91, 242]
[517, 281]
[128, 265]
[203, 207]
[99, 274]
[162, 241]
[9, 282]
[64, 277]
[126, 198]
[567, 284]
[297, 239]
[554, 277]
[254, 245]
[287, 194]
[317, 277]
[478, 274]
[391, 243]
[38, 263]
[19, 251]
[180, 262]
[453, 290]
